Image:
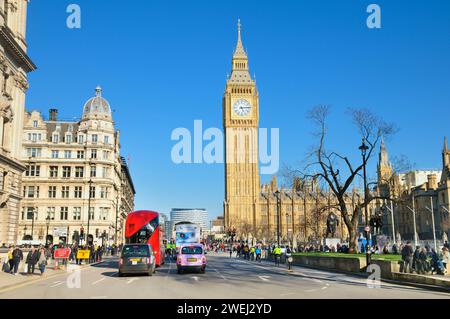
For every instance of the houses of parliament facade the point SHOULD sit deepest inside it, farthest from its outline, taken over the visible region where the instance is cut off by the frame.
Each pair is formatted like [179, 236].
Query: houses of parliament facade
[255, 210]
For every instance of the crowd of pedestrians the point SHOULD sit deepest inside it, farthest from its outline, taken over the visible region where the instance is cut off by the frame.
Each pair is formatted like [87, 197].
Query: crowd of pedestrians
[424, 260]
[37, 257]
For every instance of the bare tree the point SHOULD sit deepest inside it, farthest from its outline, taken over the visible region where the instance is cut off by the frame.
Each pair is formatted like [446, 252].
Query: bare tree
[335, 169]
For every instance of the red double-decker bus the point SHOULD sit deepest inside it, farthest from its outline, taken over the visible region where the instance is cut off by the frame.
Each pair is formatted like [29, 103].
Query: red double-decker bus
[143, 227]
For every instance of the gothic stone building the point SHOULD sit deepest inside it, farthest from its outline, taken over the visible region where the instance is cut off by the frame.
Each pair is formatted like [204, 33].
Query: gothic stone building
[431, 195]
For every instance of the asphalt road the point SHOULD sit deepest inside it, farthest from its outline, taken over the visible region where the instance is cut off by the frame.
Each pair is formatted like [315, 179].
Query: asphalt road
[225, 278]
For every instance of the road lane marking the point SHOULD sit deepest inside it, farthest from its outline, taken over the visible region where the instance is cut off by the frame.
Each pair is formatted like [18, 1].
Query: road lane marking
[265, 278]
[100, 280]
[57, 284]
[195, 278]
[131, 280]
[223, 277]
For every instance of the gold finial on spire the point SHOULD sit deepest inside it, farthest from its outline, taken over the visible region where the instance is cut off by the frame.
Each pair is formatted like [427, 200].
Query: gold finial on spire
[239, 51]
[239, 27]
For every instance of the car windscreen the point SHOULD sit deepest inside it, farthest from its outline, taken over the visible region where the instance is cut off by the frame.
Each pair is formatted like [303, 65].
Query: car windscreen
[136, 251]
[195, 250]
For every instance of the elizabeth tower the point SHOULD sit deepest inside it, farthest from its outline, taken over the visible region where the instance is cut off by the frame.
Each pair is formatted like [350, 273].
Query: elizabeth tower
[240, 120]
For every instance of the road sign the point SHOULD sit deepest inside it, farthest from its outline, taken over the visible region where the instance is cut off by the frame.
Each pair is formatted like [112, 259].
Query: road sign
[83, 254]
[60, 231]
[62, 253]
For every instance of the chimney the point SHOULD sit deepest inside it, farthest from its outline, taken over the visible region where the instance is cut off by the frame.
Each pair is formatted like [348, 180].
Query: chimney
[53, 115]
[432, 181]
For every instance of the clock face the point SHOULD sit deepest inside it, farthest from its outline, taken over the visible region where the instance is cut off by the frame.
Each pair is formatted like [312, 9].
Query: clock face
[242, 107]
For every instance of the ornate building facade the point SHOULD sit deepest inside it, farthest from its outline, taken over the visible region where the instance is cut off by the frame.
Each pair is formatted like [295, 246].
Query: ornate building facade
[251, 209]
[14, 66]
[75, 179]
[429, 200]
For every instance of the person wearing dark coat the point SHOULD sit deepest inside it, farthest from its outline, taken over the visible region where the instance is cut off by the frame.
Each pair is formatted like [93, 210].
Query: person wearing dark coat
[32, 259]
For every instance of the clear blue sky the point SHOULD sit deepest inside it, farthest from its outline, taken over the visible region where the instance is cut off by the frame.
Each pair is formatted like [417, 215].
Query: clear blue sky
[163, 64]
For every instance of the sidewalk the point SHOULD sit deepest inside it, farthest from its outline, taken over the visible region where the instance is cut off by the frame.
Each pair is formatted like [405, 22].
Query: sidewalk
[8, 281]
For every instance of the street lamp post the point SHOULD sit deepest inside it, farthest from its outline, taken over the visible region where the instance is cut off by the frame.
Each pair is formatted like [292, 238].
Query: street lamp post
[32, 223]
[89, 211]
[391, 210]
[431, 210]
[47, 220]
[277, 194]
[413, 210]
[364, 149]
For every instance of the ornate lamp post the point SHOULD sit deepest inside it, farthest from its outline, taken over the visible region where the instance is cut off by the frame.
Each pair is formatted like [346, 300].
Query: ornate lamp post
[277, 194]
[47, 221]
[364, 149]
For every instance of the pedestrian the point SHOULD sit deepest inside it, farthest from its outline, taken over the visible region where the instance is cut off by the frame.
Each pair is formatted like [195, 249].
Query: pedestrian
[407, 254]
[32, 259]
[415, 261]
[17, 257]
[11, 259]
[42, 261]
[289, 257]
[445, 257]
[258, 253]
[277, 253]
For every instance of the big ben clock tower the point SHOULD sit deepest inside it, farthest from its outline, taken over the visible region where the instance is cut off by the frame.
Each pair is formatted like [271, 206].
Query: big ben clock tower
[240, 120]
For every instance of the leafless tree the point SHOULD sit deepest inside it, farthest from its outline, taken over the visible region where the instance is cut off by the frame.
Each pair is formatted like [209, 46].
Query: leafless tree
[336, 170]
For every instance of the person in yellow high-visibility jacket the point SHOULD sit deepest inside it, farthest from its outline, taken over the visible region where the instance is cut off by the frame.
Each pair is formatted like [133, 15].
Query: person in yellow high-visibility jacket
[277, 253]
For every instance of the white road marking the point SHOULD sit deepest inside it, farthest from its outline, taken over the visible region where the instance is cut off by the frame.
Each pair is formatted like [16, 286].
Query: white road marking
[223, 277]
[195, 278]
[57, 284]
[100, 280]
[265, 278]
[131, 280]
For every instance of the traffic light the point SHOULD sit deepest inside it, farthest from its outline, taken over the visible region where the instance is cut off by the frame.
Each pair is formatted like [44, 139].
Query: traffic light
[82, 233]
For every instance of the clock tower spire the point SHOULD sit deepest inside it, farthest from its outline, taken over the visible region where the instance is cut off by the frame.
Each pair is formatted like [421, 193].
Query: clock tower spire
[240, 106]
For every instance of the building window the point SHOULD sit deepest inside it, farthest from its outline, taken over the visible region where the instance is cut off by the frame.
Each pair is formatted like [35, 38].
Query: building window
[106, 139]
[93, 171]
[65, 192]
[66, 171]
[94, 153]
[30, 213]
[64, 213]
[52, 192]
[55, 154]
[92, 192]
[94, 138]
[79, 172]
[69, 138]
[31, 191]
[105, 155]
[34, 137]
[53, 171]
[55, 138]
[77, 213]
[105, 172]
[67, 154]
[33, 171]
[104, 213]
[91, 213]
[104, 192]
[35, 124]
[51, 213]
[80, 138]
[34, 152]
[80, 154]
[78, 191]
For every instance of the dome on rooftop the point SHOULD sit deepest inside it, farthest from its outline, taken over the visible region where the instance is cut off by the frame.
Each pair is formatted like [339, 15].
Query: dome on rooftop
[97, 106]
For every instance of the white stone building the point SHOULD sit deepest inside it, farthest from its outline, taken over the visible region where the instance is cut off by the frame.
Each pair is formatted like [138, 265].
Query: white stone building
[14, 66]
[72, 168]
